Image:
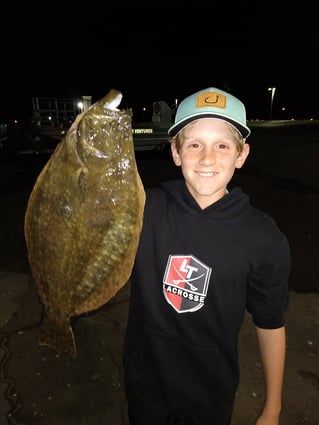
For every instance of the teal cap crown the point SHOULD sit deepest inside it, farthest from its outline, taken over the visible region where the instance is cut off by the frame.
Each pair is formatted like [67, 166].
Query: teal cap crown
[211, 103]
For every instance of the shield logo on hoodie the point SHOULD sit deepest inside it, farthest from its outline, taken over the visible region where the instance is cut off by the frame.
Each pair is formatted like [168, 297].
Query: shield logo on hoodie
[185, 283]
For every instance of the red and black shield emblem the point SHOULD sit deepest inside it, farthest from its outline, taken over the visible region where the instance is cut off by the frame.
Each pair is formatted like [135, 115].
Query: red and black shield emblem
[185, 283]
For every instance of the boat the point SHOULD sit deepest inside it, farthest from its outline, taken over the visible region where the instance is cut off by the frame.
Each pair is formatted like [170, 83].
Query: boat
[52, 117]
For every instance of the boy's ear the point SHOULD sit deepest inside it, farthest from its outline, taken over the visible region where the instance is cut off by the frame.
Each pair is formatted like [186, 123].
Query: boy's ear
[175, 154]
[243, 156]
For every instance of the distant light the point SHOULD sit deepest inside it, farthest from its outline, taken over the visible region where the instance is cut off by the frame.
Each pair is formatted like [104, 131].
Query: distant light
[80, 106]
[272, 90]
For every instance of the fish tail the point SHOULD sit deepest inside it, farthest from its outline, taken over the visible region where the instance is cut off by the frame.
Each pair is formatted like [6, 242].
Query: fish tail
[58, 335]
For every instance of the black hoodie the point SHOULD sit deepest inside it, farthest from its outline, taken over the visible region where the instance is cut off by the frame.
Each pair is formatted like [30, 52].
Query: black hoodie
[195, 274]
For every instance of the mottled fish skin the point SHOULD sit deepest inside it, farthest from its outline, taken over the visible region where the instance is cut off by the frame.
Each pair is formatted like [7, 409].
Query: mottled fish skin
[83, 219]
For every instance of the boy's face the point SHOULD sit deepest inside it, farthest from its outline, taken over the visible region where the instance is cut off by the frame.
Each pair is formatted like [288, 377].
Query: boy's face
[208, 157]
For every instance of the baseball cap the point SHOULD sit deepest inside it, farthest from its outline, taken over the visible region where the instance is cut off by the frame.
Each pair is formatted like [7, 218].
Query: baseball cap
[211, 103]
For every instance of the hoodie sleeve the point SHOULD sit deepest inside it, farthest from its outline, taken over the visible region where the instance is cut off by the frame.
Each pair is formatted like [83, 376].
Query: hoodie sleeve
[268, 294]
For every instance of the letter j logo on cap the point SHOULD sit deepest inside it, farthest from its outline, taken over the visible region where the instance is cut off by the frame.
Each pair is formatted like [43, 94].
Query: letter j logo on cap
[217, 100]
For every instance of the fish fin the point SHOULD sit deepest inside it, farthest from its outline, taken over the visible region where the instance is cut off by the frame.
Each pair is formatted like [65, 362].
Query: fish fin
[58, 335]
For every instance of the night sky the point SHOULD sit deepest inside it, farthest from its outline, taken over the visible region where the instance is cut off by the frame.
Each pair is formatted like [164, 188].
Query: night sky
[161, 53]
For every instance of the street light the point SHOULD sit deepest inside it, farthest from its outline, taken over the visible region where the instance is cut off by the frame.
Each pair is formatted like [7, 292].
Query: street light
[272, 89]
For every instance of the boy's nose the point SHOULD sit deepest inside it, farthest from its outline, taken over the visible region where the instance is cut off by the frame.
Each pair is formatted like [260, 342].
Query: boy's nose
[208, 157]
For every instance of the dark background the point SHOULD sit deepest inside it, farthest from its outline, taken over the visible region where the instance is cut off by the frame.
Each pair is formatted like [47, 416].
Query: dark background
[164, 51]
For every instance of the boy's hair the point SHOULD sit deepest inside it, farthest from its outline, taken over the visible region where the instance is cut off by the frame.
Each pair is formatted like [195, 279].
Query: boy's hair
[178, 139]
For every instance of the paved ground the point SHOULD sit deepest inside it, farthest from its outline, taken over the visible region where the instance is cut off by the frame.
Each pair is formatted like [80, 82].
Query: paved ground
[40, 386]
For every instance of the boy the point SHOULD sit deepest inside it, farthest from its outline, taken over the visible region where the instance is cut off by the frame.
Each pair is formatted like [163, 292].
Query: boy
[205, 256]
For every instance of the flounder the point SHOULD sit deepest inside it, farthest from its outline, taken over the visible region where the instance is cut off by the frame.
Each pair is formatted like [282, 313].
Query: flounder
[83, 219]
